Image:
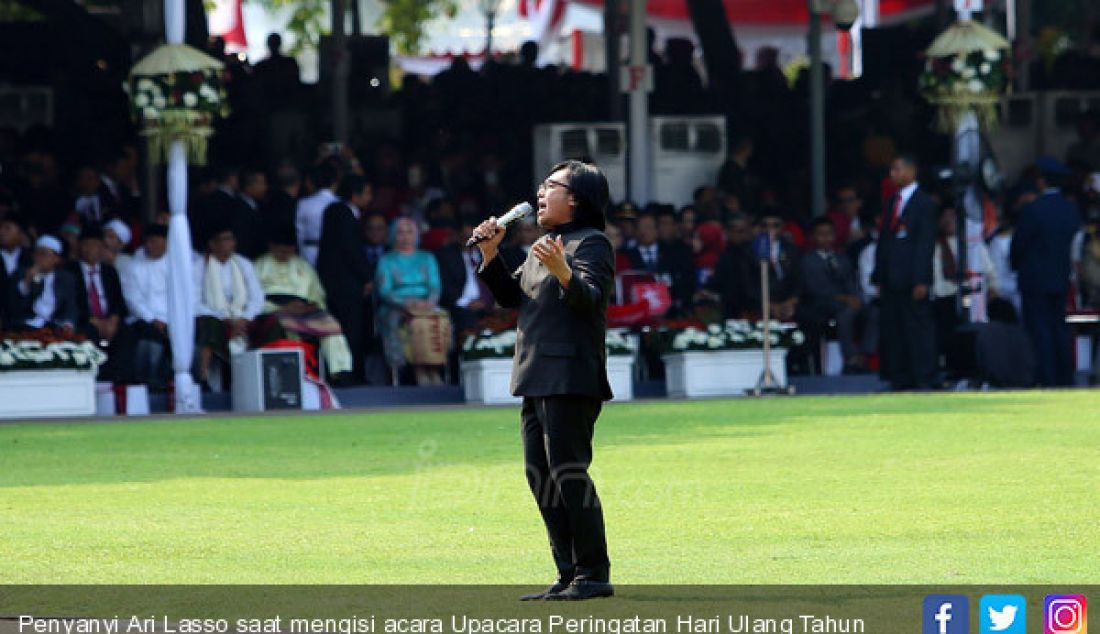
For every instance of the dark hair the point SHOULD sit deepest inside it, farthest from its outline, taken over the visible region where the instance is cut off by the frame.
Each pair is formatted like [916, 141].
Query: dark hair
[249, 175]
[223, 172]
[91, 232]
[350, 185]
[771, 212]
[819, 222]
[322, 175]
[589, 188]
[910, 159]
[739, 216]
[666, 211]
[287, 176]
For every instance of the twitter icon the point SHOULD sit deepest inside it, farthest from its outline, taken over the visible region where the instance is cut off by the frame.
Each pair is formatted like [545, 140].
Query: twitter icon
[1003, 614]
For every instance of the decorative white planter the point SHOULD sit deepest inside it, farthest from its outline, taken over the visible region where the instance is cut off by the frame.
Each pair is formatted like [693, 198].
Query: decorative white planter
[620, 374]
[719, 373]
[487, 381]
[47, 393]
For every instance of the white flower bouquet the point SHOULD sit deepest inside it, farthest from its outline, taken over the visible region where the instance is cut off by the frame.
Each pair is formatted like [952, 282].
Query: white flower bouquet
[33, 354]
[488, 344]
[735, 334]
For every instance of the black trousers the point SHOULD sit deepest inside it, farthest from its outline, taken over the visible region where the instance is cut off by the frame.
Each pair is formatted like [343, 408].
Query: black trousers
[908, 340]
[1045, 321]
[557, 449]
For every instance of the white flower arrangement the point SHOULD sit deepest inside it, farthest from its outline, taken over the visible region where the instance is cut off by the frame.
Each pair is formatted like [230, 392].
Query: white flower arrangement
[34, 355]
[502, 345]
[200, 92]
[736, 334]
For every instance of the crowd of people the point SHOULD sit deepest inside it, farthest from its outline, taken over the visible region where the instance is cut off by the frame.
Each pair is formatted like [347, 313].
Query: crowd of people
[349, 249]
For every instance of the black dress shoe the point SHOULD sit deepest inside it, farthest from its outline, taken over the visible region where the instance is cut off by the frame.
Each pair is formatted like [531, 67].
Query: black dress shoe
[557, 587]
[582, 589]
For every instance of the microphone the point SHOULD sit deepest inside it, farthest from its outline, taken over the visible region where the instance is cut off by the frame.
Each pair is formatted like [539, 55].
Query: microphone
[518, 212]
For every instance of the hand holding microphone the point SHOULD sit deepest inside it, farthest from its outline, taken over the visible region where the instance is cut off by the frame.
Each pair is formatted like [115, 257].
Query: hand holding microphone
[492, 230]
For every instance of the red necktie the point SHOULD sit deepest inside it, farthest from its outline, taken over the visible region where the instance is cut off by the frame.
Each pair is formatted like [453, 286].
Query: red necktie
[897, 213]
[94, 302]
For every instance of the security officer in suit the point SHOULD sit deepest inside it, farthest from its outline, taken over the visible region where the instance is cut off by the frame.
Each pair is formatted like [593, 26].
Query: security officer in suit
[1040, 253]
[903, 273]
[342, 266]
[562, 291]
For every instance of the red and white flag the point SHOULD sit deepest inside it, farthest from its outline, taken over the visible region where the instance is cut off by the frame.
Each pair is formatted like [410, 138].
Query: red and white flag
[227, 20]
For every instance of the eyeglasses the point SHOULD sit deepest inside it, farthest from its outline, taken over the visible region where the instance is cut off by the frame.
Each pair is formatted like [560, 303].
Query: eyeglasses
[550, 183]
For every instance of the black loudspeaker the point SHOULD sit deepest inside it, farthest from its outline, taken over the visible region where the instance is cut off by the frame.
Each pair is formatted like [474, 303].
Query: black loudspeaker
[369, 74]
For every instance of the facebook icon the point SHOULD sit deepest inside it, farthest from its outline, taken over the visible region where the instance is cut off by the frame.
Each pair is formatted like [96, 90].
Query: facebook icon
[946, 614]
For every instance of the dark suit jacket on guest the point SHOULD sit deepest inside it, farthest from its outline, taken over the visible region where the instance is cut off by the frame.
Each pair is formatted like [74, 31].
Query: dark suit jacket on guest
[1041, 244]
[21, 307]
[112, 288]
[820, 285]
[904, 256]
[735, 275]
[217, 209]
[560, 348]
[25, 260]
[452, 273]
[251, 229]
[341, 264]
[279, 213]
[673, 260]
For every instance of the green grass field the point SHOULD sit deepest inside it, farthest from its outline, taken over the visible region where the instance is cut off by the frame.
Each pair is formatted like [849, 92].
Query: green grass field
[936, 488]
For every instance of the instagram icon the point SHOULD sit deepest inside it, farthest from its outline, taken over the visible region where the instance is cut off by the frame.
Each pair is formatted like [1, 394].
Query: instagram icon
[1065, 614]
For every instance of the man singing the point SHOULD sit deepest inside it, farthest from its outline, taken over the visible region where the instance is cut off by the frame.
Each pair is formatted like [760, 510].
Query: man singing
[560, 369]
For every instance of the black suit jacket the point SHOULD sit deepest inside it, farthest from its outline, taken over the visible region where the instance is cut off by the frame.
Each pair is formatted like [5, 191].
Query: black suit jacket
[25, 260]
[673, 260]
[820, 285]
[217, 210]
[904, 255]
[341, 264]
[735, 276]
[452, 273]
[560, 347]
[112, 288]
[250, 228]
[280, 212]
[21, 307]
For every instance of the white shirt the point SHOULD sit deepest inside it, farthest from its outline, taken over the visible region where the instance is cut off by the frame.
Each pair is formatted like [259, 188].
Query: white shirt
[145, 288]
[308, 221]
[11, 259]
[999, 249]
[906, 193]
[112, 186]
[471, 291]
[649, 254]
[977, 261]
[866, 268]
[255, 302]
[46, 303]
[89, 207]
[96, 279]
